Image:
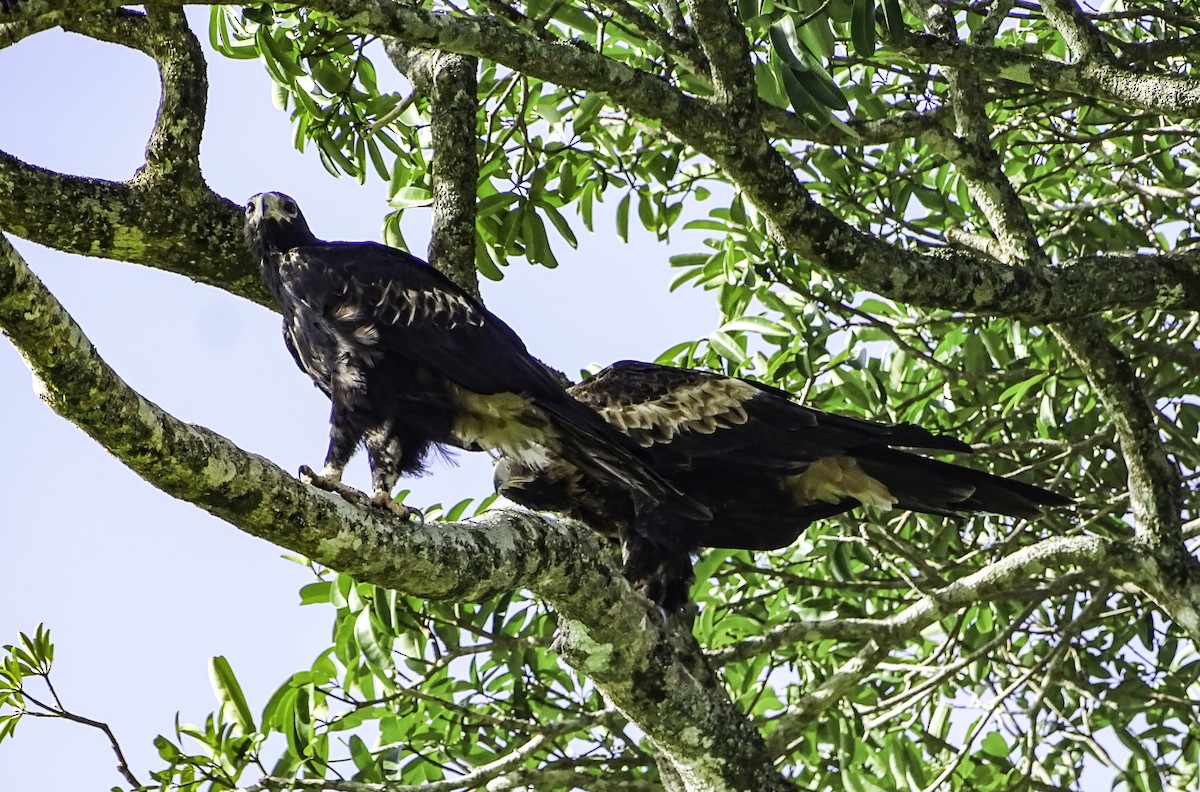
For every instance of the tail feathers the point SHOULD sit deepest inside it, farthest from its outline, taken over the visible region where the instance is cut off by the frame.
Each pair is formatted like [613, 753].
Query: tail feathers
[601, 451]
[935, 487]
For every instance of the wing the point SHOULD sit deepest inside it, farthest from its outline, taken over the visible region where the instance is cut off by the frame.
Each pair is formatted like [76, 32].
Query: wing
[387, 302]
[689, 420]
[312, 347]
[388, 305]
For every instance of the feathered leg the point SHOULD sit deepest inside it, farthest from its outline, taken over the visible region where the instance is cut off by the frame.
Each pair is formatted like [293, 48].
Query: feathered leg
[344, 435]
[384, 452]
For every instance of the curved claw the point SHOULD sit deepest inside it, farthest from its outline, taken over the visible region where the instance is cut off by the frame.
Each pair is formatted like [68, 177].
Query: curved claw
[383, 500]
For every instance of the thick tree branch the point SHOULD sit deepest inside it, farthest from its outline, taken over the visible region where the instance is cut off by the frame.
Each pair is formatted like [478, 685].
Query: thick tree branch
[1172, 95]
[723, 39]
[1082, 37]
[939, 277]
[450, 83]
[1154, 481]
[194, 233]
[658, 681]
[173, 153]
[1155, 487]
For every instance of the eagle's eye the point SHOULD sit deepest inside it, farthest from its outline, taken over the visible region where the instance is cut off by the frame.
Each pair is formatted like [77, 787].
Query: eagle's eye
[250, 208]
[290, 208]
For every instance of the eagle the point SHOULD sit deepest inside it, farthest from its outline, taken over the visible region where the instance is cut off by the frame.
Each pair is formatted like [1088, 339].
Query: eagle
[764, 465]
[412, 363]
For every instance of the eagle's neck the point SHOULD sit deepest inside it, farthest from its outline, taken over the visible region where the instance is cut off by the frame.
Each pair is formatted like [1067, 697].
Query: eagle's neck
[271, 239]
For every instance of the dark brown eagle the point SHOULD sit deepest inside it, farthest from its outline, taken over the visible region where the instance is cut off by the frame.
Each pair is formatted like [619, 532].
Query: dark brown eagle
[764, 465]
[411, 363]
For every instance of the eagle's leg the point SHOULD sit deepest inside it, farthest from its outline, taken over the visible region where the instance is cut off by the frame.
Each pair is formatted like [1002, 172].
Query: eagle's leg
[344, 435]
[384, 453]
[657, 548]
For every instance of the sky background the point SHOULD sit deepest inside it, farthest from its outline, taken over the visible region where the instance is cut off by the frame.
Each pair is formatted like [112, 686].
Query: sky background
[138, 589]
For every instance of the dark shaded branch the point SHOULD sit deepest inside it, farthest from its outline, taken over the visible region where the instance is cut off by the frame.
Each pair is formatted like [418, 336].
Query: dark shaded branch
[58, 711]
[655, 678]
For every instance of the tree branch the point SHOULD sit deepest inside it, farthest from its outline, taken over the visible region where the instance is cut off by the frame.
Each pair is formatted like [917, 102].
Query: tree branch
[173, 153]
[450, 83]
[1082, 37]
[1155, 487]
[723, 39]
[932, 277]
[1051, 555]
[650, 675]
[1169, 94]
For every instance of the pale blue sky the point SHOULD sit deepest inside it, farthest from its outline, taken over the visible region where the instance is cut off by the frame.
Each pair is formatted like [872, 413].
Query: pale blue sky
[139, 589]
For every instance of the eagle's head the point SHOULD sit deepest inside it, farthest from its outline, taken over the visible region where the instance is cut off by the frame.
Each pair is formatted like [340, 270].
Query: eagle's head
[274, 224]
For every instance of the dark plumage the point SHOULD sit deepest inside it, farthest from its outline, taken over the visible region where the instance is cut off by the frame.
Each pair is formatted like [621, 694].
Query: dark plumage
[412, 362]
[765, 466]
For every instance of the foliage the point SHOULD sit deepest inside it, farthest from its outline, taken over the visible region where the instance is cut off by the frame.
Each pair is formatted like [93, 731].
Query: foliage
[1031, 688]
[1038, 684]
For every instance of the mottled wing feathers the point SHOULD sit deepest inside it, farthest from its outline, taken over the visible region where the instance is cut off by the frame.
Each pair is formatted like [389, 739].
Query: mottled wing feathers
[690, 419]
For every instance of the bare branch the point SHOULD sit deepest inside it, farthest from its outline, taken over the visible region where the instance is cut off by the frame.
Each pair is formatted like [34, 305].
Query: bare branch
[58, 711]
[1052, 555]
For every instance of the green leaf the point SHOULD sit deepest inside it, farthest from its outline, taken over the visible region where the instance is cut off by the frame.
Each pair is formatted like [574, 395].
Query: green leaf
[623, 218]
[408, 197]
[994, 745]
[587, 111]
[893, 18]
[756, 324]
[726, 347]
[862, 28]
[560, 224]
[377, 657]
[229, 693]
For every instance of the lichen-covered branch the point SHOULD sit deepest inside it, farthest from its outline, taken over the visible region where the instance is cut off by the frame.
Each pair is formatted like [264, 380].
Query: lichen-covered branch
[939, 278]
[1082, 37]
[450, 83]
[198, 234]
[1170, 94]
[1154, 481]
[1155, 488]
[173, 152]
[723, 39]
[653, 678]
[1049, 557]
